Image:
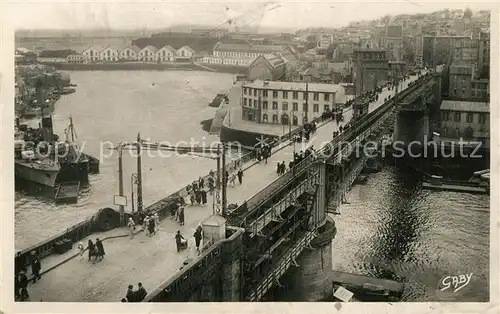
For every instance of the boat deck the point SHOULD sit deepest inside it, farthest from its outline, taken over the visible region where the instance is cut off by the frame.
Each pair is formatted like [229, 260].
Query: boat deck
[456, 187]
[67, 192]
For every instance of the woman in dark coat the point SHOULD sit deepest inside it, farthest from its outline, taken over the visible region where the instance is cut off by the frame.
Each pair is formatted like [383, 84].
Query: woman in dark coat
[100, 248]
[91, 248]
[181, 216]
[151, 226]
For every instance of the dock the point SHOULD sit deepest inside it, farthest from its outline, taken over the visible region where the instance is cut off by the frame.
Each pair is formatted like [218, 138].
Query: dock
[67, 192]
[368, 288]
[457, 187]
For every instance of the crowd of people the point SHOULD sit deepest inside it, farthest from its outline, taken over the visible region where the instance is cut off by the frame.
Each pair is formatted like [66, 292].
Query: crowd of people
[95, 250]
[21, 279]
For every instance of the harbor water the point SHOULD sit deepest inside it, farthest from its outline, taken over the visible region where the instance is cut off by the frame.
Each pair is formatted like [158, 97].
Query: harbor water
[390, 228]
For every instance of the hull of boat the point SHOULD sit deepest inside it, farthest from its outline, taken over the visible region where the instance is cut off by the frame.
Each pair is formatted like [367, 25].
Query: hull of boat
[28, 172]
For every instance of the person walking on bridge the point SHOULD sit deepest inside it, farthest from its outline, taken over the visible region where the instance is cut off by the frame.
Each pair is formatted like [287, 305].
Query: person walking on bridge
[140, 293]
[197, 238]
[36, 266]
[131, 226]
[23, 285]
[240, 176]
[178, 240]
[100, 249]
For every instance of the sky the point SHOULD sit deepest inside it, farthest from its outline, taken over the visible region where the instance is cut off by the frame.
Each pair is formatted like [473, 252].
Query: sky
[138, 14]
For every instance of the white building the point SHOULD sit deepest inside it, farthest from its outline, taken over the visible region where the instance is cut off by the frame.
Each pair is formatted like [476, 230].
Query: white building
[184, 53]
[110, 54]
[166, 53]
[129, 53]
[148, 53]
[288, 102]
[92, 54]
[76, 58]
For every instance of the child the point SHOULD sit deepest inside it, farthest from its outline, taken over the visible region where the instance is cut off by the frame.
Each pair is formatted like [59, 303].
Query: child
[81, 249]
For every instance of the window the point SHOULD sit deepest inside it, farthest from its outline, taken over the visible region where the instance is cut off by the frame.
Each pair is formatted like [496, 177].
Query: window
[315, 108]
[285, 106]
[245, 90]
[244, 102]
[285, 95]
[327, 97]
[295, 106]
[275, 105]
[295, 95]
[275, 118]
[470, 117]
[305, 107]
[457, 116]
[255, 93]
[275, 94]
[482, 118]
[264, 117]
[264, 93]
[264, 105]
[445, 132]
[250, 103]
[457, 131]
[295, 120]
[304, 95]
[316, 96]
[327, 107]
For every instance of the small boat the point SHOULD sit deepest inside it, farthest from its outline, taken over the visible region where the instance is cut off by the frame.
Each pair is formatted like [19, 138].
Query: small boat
[438, 183]
[67, 192]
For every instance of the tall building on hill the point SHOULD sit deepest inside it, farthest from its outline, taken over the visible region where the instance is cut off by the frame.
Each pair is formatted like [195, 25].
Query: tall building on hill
[394, 42]
[371, 69]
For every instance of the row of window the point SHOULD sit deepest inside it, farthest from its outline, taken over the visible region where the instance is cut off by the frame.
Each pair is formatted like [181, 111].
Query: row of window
[457, 117]
[295, 95]
[469, 132]
[236, 54]
[284, 119]
[284, 106]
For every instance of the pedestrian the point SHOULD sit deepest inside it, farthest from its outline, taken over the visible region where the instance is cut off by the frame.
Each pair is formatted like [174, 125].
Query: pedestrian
[131, 226]
[178, 240]
[181, 216]
[197, 238]
[100, 249]
[232, 179]
[157, 221]
[91, 248]
[130, 296]
[278, 168]
[151, 227]
[201, 183]
[240, 176]
[204, 196]
[36, 266]
[140, 293]
[81, 249]
[23, 285]
[191, 197]
[198, 197]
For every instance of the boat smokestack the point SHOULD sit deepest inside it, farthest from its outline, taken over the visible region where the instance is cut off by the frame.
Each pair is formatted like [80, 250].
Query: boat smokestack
[47, 130]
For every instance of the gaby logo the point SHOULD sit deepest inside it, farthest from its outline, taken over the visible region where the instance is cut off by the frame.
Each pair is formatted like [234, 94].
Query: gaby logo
[455, 282]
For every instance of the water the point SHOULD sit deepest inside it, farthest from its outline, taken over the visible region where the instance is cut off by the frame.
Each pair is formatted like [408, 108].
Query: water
[112, 107]
[393, 229]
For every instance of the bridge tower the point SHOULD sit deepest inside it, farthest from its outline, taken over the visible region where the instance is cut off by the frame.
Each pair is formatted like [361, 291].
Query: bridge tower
[370, 69]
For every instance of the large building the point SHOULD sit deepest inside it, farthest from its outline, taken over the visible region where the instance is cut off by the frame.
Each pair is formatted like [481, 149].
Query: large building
[484, 53]
[289, 102]
[465, 119]
[267, 68]
[438, 50]
[394, 42]
[466, 83]
[371, 69]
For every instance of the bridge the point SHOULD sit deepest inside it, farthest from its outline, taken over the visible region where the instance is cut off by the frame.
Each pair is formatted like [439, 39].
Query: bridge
[246, 253]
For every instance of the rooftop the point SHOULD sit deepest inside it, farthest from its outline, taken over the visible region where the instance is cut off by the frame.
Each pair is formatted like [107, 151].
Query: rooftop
[466, 106]
[249, 48]
[295, 86]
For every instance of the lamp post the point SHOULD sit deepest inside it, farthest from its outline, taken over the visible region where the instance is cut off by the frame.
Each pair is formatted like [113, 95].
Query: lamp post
[133, 180]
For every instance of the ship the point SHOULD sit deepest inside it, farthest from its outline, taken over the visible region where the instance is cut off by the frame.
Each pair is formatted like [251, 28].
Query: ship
[41, 158]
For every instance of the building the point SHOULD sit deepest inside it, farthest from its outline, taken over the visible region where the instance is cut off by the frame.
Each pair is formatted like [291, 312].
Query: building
[129, 53]
[211, 33]
[465, 50]
[440, 49]
[267, 68]
[324, 41]
[166, 53]
[110, 54]
[484, 53]
[318, 75]
[148, 53]
[92, 54]
[394, 42]
[465, 119]
[184, 53]
[371, 69]
[247, 51]
[75, 58]
[289, 102]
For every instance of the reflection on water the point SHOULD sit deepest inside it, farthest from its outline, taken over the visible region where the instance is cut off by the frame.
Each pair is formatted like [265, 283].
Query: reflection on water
[393, 229]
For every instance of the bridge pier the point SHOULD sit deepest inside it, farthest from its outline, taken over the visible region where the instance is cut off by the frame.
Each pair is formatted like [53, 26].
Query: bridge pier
[312, 281]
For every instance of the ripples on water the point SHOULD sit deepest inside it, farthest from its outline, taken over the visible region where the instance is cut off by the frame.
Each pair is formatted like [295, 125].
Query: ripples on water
[395, 230]
[113, 106]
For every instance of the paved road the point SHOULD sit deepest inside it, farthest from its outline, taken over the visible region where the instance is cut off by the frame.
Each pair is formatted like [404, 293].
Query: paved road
[151, 260]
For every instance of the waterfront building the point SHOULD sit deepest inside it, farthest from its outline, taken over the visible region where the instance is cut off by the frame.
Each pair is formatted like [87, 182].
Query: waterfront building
[211, 33]
[184, 53]
[75, 58]
[289, 102]
[269, 67]
[465, 119]
[110, 54]
[148, 54]
[129, 53]
[92, 54]
[247, 51]
[166, 53]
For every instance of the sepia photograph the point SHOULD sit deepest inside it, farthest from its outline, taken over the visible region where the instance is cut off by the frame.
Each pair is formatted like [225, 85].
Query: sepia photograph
[250, 152]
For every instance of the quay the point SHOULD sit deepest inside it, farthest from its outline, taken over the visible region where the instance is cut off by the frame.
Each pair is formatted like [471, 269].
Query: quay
[153, 260]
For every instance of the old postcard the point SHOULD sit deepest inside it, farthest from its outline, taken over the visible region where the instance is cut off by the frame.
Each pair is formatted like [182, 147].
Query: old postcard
[183, 152]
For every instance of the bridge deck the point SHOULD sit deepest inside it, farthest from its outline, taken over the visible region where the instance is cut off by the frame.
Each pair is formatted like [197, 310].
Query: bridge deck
[151, 260]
